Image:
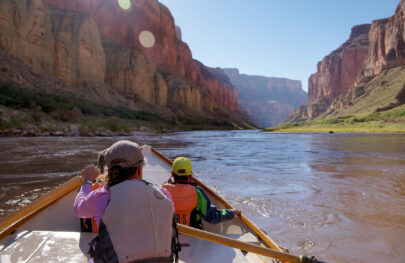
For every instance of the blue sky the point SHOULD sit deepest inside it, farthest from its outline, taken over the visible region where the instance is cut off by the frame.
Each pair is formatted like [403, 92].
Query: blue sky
[274, 38]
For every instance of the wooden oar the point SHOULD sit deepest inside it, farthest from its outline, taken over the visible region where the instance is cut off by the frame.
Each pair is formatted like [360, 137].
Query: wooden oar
[226, 241]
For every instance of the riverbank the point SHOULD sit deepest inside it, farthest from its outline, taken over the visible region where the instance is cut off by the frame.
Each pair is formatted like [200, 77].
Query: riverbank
[30, 123]
[26, 112]
[391, 121]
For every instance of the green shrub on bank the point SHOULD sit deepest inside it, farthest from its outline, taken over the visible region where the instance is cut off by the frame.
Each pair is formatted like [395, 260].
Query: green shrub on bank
[387, 121]
[200, 122]
[377, 116]
[42, 109]
[332, 121]
[15, 97]
[395, 113]
[36, 114]
[15, 121]
[115, 124]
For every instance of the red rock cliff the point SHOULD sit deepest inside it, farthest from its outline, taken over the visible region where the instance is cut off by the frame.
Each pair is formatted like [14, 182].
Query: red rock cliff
[168, 50]
[387, 43]
[65, 44]
[386, 49]
[338, 71]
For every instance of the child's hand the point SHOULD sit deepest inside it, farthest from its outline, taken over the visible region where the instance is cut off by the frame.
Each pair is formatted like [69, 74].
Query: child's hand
[237, 212]
[90, 173]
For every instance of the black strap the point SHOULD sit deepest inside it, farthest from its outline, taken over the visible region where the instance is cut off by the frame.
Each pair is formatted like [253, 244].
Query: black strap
[193, 219]
[146, 182]
[101, 247]
[92, 246]
[176, 247]
[86, 225]
[153, 260]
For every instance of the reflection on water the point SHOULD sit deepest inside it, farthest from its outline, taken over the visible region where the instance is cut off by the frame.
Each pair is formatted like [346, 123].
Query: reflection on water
[340, 197]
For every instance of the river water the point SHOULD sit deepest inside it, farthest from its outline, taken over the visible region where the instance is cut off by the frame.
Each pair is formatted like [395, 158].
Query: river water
[340, 197]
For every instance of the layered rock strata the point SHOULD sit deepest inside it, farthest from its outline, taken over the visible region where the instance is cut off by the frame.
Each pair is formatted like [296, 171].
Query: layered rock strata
[387, 43]
[337, 71]
[168, 50]
[386, 51]
[92, 48]
[384, 92]
[267, 101]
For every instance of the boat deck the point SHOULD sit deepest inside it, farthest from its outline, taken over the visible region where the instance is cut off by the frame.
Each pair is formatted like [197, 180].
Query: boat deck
[59, 246]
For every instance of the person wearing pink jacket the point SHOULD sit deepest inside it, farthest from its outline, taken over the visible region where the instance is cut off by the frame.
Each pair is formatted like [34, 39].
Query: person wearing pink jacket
[136, 219]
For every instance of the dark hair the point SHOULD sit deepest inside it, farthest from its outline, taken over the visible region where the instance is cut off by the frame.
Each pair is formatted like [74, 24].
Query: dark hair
[101, 160]
[181, 178]
[117, 174]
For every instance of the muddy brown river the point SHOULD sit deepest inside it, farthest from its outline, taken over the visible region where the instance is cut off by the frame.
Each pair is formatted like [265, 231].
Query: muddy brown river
[340, 197]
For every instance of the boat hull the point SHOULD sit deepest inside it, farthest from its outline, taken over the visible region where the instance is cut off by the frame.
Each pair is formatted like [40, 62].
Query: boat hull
[47, 230]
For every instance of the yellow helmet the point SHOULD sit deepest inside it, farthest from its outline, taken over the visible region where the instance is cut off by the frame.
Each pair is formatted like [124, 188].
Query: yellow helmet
[182, 166]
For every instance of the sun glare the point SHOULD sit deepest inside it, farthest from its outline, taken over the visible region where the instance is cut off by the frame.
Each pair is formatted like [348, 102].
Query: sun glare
[147, 39]
[125, 4]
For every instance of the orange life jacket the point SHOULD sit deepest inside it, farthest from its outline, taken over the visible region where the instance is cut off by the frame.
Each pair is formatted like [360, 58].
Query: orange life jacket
[185, 200]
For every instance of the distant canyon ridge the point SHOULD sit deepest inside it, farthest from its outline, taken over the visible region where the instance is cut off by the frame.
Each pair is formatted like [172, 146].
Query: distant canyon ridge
[364, 75]
[267, 100]
[134, 58]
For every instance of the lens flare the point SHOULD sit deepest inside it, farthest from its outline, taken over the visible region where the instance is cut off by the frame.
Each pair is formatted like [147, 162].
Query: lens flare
[125, 4]
[147, 39]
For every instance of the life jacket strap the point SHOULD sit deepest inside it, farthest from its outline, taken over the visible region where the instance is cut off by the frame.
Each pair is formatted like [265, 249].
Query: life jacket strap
[176, 246]
[101, 247]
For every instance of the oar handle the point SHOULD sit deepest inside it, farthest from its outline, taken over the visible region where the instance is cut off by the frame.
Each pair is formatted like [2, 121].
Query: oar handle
[223, 240]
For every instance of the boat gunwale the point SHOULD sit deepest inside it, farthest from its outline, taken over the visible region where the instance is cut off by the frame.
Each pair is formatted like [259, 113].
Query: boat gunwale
[10, 223]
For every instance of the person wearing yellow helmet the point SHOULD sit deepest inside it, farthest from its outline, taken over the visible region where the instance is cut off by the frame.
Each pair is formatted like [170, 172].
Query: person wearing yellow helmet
[191, 202]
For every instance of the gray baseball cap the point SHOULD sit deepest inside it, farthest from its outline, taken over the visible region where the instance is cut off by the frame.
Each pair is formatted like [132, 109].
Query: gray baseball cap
[123, 153]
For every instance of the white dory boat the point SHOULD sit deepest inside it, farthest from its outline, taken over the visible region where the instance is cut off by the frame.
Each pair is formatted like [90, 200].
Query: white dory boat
[47, 231]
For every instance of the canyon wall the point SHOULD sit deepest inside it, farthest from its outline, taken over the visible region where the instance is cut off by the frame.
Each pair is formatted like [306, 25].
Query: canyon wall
[337, 71]
[168, 51]
[267, 101]
[342, 76]
[387, 43]
[65, 44]
[96, 49]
